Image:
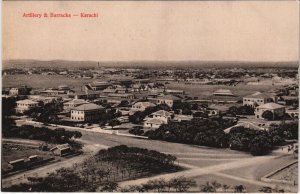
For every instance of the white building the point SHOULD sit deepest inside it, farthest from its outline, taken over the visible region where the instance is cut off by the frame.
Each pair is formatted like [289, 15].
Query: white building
[141, 106]
[162, 115]
[168, 100]
[25, 105]
[74, 103]
[277, 110]
[153, 123]
[258, 99]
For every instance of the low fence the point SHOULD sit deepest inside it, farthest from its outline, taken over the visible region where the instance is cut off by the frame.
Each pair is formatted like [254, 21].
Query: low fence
[95, 129]
[267, 178]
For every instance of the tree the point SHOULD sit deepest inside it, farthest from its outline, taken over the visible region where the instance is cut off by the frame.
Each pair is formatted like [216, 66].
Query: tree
[109, 187]
[225, 187]
[114, 123]
[239, 189]
[233, 110]
[268, 115]
[136, 130]
[245, 110]
[207, 188]
[200, 114]
[266, 190]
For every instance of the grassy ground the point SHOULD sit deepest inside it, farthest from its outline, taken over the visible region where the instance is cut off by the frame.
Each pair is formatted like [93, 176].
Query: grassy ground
[43, 81]
[201, 180]
[287, 174]
[16, 151]
[205, 91]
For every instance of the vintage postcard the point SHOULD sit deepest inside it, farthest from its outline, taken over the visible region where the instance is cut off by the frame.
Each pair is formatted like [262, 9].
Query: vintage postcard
[150, 96]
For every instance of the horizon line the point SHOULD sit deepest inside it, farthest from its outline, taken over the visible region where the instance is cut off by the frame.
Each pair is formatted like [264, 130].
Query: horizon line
[126, 61]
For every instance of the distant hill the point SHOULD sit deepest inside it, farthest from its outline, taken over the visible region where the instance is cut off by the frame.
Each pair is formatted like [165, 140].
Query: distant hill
[142, 64]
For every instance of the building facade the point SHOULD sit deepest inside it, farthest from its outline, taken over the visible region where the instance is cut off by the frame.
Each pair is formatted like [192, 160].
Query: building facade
[277, 110]
[25, 105]
[258, 99]
[86, 113]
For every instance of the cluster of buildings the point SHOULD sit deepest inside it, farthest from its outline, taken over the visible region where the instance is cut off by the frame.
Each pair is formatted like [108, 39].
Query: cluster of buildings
[131, 95]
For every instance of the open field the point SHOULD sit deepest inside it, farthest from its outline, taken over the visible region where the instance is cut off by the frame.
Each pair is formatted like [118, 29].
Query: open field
[247, 167]
[207, 164]
[12, 152]
[40, 81]
[200, 91]
[205, 91]
[288, 174]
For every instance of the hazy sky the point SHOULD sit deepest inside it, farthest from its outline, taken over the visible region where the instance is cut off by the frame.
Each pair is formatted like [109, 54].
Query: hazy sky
[211, 30]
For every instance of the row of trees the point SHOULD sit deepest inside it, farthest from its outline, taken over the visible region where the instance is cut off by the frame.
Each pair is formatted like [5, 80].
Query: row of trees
[182, 184]
[46, 113]
[242, 110]
[177, 184]
[210, 132]
[58, 135]
[199, 131]
[262, 142]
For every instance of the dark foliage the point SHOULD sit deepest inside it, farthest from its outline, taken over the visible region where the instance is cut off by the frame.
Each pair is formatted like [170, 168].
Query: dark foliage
[59, 135]
[208, 132]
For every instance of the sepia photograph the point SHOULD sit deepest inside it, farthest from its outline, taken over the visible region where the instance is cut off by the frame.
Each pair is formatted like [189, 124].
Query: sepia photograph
[150, 96]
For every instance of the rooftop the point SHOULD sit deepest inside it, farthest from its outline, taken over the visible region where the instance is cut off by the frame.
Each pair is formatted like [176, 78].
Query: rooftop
[77, 101]
[145, 104]
[271, 106]
[259, 95]
[26, 102]
[169, 97]
[162, 113]
[88, 106]
[223, 92]
[154, 121]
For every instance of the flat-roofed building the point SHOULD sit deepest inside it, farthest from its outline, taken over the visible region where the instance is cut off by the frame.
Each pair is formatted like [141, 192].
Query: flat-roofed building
[25, 105]
[23, 90]
[153, 123]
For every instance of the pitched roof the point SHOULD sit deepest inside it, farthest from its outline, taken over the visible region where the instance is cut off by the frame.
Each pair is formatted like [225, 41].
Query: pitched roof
[223, 92]
[154, 121]
[145, 104]
[270, 106]
[259, 95]
[162, 113]
[76, 101]
[89, 106]
[169, 97]
[95, 84]
[63, 146]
